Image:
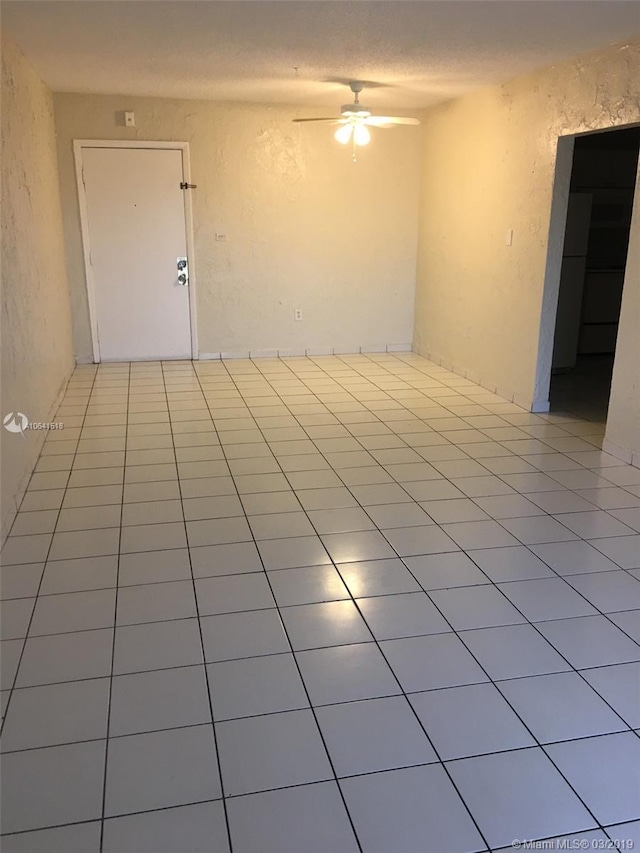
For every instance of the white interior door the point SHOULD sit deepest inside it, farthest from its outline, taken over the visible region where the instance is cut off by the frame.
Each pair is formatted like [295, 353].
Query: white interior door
[136, 230]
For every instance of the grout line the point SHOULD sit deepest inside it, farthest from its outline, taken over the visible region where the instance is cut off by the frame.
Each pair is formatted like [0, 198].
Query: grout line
[319, 648]
[204, 663]
[113, 655]
[626, 729]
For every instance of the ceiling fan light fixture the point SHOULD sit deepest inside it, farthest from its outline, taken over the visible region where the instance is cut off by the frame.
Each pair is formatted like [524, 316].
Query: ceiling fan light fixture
[355, 120]
[343, 134]
[361, 135]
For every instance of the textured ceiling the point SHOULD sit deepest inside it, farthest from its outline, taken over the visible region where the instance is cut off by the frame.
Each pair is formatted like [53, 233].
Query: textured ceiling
[416, 52]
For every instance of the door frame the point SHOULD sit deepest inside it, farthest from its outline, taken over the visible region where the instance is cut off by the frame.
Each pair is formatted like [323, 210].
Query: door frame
[553, 266]
[78, 146]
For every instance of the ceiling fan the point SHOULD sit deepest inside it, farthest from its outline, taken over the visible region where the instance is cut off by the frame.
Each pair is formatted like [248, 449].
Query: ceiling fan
[355, 120]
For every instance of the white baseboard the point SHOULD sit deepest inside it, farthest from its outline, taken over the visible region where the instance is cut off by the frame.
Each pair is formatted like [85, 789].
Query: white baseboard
[236, 353]
[292, 352]
[263, 353]
[320, 351]
[296, 352]
[506, 393]
[399, 347]
[622, 453]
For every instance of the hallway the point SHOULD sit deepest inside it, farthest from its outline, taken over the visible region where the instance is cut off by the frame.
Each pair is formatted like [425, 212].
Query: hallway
[411, 609]
[584, 391]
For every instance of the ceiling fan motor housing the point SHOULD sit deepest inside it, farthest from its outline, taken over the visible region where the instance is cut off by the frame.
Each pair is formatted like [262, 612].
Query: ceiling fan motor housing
[357, 110]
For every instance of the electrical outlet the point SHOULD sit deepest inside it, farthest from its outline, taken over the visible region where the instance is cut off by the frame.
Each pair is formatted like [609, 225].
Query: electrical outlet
[129, 119]
[221, 238]
[297, 313]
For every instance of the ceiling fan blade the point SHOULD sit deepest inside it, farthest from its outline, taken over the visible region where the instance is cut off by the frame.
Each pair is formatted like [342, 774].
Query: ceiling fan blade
[387, 121]
[334, 120]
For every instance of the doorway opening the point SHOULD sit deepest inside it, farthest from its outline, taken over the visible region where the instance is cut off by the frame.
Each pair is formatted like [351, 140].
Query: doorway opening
[600, 204]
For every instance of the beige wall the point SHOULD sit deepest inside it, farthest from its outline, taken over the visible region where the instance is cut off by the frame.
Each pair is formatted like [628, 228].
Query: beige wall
[306, 227]
[37, 356]
[488, 166]
[623, 424]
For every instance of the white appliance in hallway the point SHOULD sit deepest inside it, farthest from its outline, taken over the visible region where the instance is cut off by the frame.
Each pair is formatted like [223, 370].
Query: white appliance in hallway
[137, 268]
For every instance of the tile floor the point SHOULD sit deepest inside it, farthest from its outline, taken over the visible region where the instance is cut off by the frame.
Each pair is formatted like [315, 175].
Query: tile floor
[318, 605]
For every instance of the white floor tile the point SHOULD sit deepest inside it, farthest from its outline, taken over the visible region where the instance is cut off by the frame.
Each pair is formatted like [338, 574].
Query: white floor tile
[612, 792]
[56, 714]
[233, 593]
[609, 591]
[78, 838]
[518, 795]
[571, 558]
[346, 673]
[229, 636]
[272, 751]
[66, 657]
[163, 699]
[623, 550]
[546, 598]
[158, 645]
[560, 707]
[64, 785]
[196, 828]
[470, 720]
[476, 607]
[90, 573]
[373, 735]
[73, 611]
[427, 663]
[333, 623]
[510, 564]
[310, 818]
[620, 686]
[402, 615]
[161, 769]
[377, 577]
[513, 651]
[397, 525]
[399, 809]
[590, 641]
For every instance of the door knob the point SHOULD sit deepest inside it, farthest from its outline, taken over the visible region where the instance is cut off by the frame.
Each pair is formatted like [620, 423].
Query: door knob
[183, 269]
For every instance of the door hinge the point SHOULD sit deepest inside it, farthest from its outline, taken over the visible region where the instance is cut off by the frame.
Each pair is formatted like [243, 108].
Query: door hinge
[185, 186]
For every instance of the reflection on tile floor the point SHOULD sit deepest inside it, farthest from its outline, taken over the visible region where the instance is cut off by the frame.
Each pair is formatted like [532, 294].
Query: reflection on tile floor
[318, 605]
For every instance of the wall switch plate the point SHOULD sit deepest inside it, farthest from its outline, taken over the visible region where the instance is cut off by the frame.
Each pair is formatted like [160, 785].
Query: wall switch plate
[297, 313]
[129, 120]
[221, 238]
